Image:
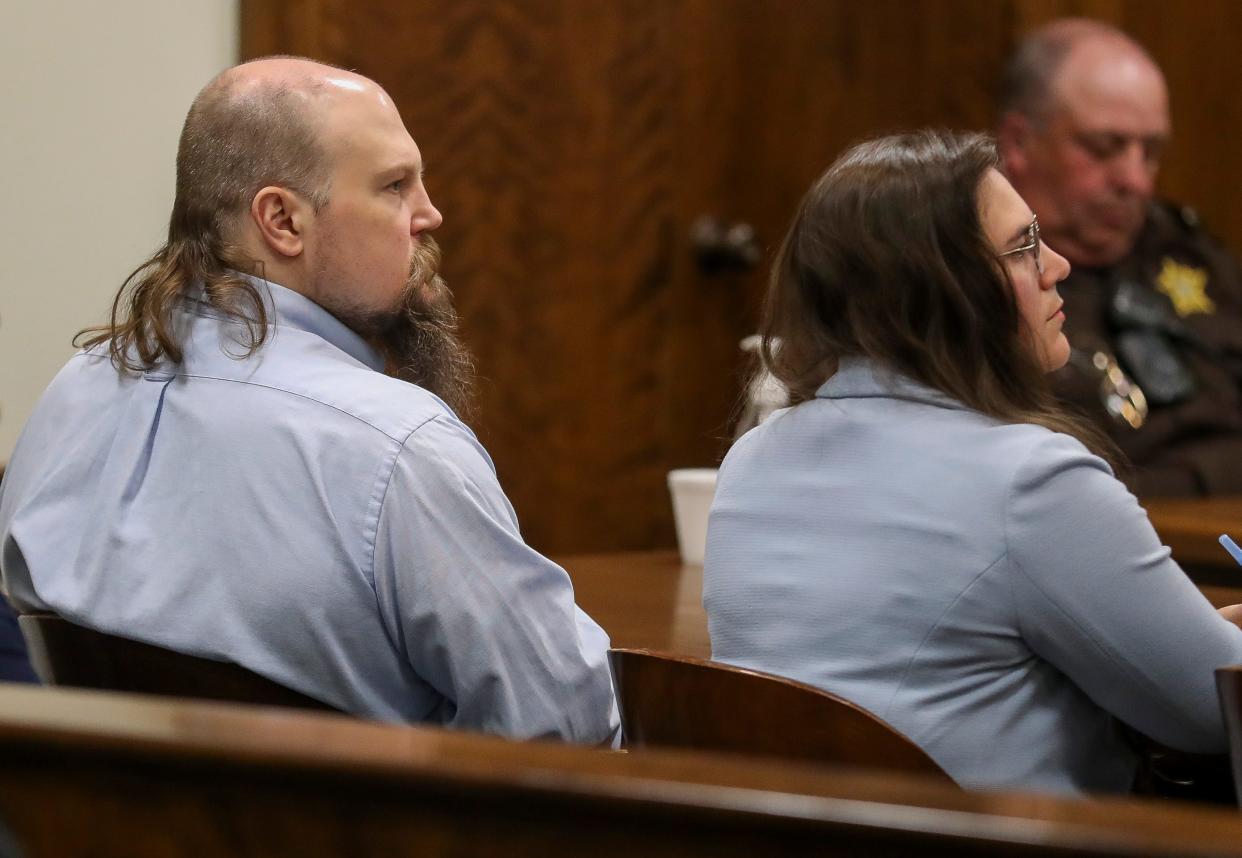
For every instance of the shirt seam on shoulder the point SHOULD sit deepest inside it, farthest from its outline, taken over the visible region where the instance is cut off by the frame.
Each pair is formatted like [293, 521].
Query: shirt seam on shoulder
[373, 536]
[308, 398]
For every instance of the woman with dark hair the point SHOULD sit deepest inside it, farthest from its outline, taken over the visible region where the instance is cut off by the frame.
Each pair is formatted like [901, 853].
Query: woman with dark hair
[923, 532]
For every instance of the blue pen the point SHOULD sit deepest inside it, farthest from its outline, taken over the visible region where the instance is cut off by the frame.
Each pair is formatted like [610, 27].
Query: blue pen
[1232, 547]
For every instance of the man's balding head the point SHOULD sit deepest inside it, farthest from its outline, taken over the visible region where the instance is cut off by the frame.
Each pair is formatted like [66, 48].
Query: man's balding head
[312, 174]
[262, 148]
[304, 175]
[1032, 72]
[256, 124]
[1084, 118]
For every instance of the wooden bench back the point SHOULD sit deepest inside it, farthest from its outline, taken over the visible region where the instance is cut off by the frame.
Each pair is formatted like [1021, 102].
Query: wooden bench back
[680, 701]
[1229, 687]
[100, 773]
[68, 654]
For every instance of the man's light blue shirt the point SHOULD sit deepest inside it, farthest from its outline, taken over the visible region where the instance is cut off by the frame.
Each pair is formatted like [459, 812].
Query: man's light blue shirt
[304, 515]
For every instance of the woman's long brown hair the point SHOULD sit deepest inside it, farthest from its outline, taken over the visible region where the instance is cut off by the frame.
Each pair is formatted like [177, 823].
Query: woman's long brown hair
[887, 259]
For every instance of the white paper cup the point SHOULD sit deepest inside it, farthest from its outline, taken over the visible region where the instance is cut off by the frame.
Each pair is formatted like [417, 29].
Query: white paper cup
[692, 490]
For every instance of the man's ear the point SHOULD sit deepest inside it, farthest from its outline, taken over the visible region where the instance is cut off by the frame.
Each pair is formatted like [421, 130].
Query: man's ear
[1013, 136]
[281, 217]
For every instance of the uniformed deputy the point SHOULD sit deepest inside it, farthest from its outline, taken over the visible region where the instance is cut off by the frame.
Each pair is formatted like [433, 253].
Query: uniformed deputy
[1153, 306]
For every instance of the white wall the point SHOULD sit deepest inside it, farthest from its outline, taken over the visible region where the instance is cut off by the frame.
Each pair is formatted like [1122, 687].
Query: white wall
[93, 93]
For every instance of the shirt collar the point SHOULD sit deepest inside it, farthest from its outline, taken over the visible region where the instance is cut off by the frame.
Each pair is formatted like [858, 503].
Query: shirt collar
[859, 377]
[292, 309]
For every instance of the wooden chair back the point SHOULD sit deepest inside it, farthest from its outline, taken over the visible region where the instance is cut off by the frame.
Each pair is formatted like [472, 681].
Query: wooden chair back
[1229, 688]
[680, 701]
[68, 654]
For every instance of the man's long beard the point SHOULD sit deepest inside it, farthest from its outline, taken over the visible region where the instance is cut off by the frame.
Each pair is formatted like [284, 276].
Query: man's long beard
[418, 339]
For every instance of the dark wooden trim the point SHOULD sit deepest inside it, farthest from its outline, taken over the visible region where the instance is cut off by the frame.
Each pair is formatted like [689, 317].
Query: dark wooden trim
[68, 654]
[670, 700]
[151, 776]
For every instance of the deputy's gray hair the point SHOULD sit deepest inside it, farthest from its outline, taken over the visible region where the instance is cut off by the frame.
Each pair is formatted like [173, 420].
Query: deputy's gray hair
[1026, 81]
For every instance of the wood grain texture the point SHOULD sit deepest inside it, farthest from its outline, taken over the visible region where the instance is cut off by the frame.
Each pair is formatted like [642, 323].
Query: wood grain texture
[643, 599]
[72, 655]
[88, 773]
[650, 600]
[268, 26]
[1229, 689]
[1191, 527]
[678, 701]
[572, 144]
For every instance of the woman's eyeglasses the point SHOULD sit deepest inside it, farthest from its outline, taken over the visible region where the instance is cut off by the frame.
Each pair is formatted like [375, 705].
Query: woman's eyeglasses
[1031, 246]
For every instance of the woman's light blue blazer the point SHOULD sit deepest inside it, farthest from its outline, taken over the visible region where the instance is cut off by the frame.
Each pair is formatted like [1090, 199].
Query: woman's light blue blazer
[990, 590]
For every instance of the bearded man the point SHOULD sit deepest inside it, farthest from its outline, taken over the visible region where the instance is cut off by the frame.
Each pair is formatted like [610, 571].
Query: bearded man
[1153, 305]
[260, 459]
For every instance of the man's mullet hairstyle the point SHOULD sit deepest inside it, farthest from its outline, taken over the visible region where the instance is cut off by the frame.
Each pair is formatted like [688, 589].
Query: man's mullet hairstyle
[232, 145]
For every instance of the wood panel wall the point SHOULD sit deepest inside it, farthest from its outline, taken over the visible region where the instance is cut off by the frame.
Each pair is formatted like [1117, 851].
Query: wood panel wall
[572, 143]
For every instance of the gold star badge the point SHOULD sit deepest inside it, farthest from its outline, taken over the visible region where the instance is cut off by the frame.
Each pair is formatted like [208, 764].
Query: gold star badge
[1186, 287]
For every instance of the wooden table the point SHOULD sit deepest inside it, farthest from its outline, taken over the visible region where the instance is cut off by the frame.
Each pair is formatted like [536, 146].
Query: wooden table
[649, 599]
[646, 599]
[1191, 527]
